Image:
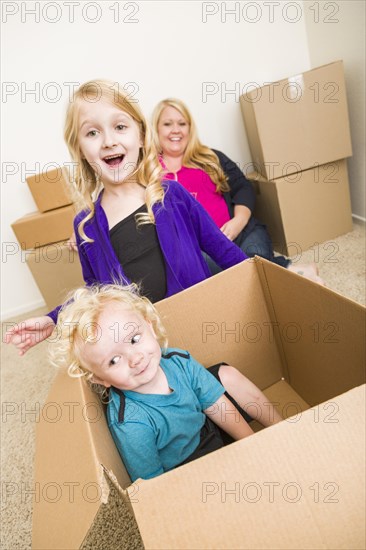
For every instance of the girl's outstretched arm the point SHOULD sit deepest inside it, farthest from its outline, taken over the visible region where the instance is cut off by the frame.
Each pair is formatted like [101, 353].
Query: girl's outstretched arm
[30, 332]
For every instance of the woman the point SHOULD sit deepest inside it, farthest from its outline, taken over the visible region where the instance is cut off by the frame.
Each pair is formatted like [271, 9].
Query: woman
[216, 182]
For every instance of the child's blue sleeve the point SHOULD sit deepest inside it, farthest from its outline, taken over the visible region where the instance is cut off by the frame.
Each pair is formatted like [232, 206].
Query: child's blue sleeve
[204, 384]
[136, 443]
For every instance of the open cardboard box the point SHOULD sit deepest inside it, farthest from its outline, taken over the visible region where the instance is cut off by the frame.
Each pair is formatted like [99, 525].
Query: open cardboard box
[296, 485]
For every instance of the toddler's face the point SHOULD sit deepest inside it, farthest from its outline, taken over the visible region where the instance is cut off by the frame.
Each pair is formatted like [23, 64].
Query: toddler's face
[125, 353]
[109, 140]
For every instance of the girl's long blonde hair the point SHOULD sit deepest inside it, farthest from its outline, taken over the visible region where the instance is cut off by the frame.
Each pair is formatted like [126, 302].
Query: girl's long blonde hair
[196, 154]
[86, 182]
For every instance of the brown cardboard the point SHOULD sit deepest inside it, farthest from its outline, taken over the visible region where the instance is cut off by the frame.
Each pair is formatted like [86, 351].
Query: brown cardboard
[56, 270]
[304, 209]
[299, 484]
[38, 229]
[298, 122]
[284, 490]
[50, 189]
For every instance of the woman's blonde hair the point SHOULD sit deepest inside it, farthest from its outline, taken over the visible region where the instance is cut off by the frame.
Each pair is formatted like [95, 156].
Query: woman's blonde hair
[148, 171]
[77, 322]
[196, 154]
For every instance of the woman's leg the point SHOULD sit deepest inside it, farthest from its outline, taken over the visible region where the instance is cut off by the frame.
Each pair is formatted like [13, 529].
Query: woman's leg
[255, 241]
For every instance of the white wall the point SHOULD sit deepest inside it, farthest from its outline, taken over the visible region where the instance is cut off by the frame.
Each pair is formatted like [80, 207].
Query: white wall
[171, 49]
[336, 30]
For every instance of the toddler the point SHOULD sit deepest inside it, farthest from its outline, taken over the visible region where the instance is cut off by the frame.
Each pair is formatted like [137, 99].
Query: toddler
[164, 408]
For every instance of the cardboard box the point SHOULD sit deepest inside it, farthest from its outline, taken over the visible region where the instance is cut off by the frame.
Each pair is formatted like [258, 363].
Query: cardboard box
[306, 208]
[298, 122]
[51, 189]
[299, 484]
[38, 229]
[56, 270]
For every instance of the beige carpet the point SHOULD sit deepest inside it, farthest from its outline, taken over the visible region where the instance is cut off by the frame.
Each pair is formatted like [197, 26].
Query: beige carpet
[26, 381]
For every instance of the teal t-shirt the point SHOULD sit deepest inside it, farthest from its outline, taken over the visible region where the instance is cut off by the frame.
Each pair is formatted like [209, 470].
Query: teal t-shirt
[160, 431]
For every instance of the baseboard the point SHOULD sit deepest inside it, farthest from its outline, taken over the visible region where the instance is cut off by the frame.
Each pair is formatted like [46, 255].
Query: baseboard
[22, 310]
[358, 219]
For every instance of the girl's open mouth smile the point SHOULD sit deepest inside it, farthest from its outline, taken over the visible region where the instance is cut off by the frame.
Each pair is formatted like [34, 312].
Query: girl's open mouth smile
[114, 160]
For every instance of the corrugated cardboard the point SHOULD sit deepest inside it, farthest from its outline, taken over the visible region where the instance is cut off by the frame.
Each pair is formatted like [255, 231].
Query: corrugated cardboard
[50, 189]
[306, 208]
[298, 122]
[56, 270]
[299, 484]
[38, 229]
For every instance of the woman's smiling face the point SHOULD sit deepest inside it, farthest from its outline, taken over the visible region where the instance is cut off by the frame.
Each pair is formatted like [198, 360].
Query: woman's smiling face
[173, 132]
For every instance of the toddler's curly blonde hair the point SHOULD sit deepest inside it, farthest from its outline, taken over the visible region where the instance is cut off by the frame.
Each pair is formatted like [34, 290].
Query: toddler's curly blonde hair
[77, 322]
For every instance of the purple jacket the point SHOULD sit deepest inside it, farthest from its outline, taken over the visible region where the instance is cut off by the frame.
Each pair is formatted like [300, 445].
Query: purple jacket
[184, 229]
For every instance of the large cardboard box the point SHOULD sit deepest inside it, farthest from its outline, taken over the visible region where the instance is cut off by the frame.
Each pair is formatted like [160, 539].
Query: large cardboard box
[299, 484]
[38, 229]
[298, 122]
[304, 209]
[50, 189]
[56, 270]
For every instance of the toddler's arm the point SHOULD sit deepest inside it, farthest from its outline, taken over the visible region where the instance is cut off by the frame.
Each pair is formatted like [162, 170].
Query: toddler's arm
[228, 418]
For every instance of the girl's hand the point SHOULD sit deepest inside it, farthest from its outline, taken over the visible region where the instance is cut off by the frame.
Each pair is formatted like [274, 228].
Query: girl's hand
[28, 333]
[71, 243]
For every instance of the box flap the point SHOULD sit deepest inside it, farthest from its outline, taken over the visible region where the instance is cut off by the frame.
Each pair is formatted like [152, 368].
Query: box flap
[268, 210]
[71, 417]
[294, 485]
[247, 109]
[195, 321]
[322, 334]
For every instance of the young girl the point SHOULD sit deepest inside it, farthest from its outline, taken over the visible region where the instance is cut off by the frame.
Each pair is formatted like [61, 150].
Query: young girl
[163, 407]
[133, 227]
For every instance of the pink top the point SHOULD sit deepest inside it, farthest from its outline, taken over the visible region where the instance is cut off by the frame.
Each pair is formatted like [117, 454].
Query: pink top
[201, 186]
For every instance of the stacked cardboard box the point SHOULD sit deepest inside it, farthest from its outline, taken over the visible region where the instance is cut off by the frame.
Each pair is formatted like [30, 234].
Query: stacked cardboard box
[299, 484]
[54, 268]
[299, 137]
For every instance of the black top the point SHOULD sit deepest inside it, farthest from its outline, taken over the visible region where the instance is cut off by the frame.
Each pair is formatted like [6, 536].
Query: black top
[139, 253]
[241, 189]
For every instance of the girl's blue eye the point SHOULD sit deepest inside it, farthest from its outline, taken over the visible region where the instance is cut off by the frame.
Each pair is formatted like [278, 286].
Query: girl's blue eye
[92, 133]
[135, 339]
[114, 360]
[121, 126]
